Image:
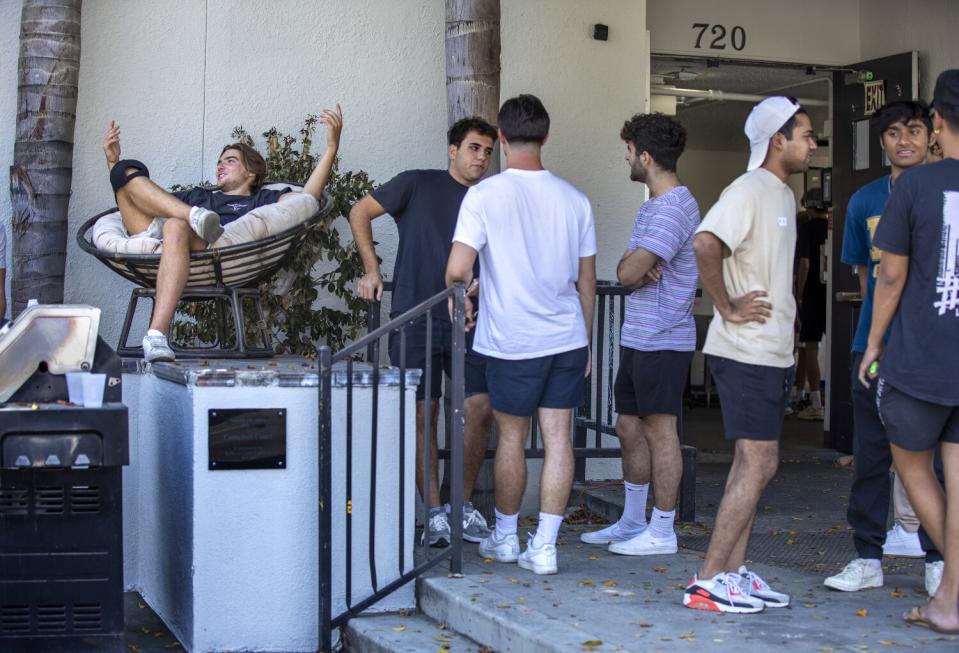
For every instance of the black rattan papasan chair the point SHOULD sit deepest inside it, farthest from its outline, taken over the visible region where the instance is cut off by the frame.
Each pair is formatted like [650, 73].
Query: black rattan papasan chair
[227, 275]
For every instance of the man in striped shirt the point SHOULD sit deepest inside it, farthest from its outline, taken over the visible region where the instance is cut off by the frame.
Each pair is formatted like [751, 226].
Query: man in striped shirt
[658, 338]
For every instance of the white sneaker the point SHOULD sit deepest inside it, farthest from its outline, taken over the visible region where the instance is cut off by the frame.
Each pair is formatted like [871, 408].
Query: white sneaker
[505, 550]
[753, 585]
[902, 543]
[612, 533]
[539, 561]
[933, 577]
[722, 593]
[475, 528]
[205, 223]
[809, 413]
[645, 544]
[438, 530]
[857, 575]
[156, 349]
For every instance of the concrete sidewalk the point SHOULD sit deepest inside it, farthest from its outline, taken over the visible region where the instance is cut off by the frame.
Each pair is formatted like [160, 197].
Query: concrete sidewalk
[603, 602]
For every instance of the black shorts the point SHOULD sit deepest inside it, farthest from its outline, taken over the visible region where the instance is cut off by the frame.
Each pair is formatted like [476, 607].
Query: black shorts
[519, 387]
[915, 424]
[812, 319]
[753, 397]
[474, 365]
[651, 382]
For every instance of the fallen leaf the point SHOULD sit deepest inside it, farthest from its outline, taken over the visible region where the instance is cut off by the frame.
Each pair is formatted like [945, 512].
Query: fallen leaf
[896, 594]
[592, 557]
[587, 582]
[502, 606]
[659, 570]
[825, 649]
[610, 583]
[592, 642]
[399, 629]
[133, 647]
[689, 637]
[645, 625]
[862, 613]
[487, 560]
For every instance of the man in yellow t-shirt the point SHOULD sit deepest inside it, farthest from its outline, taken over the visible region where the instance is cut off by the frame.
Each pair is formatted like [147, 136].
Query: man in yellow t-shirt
[745, 248]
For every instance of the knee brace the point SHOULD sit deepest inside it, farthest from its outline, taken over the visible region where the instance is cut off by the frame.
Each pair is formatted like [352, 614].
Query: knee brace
[118, 176]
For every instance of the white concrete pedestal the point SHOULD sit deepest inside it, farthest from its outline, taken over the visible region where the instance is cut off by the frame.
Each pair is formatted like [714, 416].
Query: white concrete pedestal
[229, 558]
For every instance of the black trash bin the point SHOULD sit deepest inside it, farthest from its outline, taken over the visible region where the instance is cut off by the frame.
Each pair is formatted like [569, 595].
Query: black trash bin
[61, 517]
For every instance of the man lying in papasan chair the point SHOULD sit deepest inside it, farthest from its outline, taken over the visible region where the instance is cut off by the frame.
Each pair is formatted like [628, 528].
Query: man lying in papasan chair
[191, 220]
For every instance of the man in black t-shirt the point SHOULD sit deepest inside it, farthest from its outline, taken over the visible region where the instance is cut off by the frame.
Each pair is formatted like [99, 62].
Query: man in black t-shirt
[425, 205]
[194, 218]
[917, 291]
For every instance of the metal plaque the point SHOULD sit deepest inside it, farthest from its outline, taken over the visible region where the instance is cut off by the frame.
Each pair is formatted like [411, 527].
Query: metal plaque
[247, 438]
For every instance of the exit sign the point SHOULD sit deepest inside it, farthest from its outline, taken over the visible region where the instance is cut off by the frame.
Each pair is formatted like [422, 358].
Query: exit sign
[875, 96]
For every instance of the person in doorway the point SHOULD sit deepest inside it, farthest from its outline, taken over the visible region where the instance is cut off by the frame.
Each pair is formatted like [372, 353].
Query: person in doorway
[534, 235]
[745, 247]
[904, 130]
[917, 292]
[658, 338]
[425, 204]
[811, 293]
[194, 218]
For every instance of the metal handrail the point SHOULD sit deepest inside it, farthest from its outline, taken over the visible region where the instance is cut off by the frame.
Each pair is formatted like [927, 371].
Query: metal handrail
[454, 550]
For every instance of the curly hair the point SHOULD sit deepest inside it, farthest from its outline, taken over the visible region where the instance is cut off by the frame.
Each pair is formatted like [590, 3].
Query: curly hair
[659, 135]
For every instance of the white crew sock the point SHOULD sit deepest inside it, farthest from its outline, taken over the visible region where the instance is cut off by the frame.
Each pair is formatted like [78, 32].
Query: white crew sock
[634, 510]
[874, 563]
[661, 523]
[505, 525]
[547, 530]
[815, 399]
[154, 332]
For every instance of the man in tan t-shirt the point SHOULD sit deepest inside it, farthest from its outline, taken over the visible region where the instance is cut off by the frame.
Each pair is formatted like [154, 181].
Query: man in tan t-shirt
[744, 248]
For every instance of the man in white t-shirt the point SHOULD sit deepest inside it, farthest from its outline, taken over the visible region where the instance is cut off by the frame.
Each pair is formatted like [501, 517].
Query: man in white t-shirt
[745, 247]
[534, 235]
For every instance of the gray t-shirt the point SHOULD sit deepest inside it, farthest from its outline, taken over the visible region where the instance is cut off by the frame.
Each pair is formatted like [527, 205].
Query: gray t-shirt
[921, 221]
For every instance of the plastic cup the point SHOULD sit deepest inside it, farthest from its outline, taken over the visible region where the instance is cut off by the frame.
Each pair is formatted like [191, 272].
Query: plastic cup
[75, 387]
[93, 385]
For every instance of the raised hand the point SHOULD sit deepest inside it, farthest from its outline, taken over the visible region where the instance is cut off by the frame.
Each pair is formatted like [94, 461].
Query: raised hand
[748, 308]
[333, 120]
[111, 144]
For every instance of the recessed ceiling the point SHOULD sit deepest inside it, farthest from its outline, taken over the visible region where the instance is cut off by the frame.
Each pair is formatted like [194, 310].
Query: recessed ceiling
[718, 124]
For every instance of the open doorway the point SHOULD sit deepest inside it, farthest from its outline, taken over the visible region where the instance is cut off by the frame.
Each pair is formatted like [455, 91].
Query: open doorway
[712, 98]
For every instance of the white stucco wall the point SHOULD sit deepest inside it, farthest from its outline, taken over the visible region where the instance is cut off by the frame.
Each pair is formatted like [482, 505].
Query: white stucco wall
[9, 52]
[929, 26]
[181, 86]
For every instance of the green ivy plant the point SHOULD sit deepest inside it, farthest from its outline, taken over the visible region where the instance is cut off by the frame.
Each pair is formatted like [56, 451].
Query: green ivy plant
[321, 264]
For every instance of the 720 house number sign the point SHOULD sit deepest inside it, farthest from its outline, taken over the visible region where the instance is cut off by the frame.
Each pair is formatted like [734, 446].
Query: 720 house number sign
[717, 37]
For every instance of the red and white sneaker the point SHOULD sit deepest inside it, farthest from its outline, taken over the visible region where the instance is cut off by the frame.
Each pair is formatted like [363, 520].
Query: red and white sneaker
[756, 587]
[722, 593]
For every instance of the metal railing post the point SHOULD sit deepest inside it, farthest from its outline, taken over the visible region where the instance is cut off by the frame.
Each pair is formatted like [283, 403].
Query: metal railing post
[324, 531]
[455, 438]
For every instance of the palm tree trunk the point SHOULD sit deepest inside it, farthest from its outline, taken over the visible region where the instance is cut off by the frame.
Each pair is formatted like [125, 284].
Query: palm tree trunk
[472, 89]
[43, 152]
[472, 61]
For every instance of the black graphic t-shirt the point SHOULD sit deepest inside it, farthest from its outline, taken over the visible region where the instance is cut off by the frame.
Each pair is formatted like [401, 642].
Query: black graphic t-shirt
[921, 221]
[812, 235]
[229, 207]
[425, 205]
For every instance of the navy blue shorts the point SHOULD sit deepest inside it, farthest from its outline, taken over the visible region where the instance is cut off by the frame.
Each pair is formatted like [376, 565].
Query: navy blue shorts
[753, 397]
[519, 387]
[474, 365]
[915, 424]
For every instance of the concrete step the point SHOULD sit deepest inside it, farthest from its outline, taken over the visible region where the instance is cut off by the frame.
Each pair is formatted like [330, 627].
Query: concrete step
[405, 633]
[505, 624]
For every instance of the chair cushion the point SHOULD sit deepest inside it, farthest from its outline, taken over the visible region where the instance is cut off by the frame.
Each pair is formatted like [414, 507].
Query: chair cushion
[109, 234]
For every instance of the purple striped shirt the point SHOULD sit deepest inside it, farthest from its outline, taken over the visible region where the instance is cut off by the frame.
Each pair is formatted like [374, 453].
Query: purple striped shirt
[660, 315]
